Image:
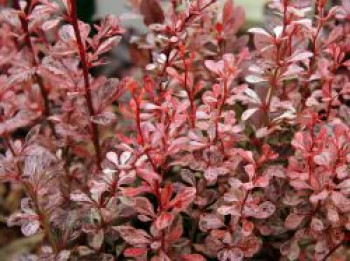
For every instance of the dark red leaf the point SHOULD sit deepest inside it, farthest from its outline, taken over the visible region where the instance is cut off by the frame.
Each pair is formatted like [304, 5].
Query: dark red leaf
[193, 257]
[152, 12]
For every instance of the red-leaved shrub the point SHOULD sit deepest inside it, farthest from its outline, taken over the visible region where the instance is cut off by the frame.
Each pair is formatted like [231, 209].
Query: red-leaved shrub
[218, 145]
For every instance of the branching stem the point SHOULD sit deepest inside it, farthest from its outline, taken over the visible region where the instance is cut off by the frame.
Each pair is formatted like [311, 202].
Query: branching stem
[85, 67]
[37, 78]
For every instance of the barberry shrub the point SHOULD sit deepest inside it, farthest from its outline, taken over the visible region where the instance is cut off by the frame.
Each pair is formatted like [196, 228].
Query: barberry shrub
[218, 144]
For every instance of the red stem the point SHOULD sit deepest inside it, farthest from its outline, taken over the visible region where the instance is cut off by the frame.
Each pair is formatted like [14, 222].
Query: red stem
[221, 107]
[39, 80]
[190, 95]
[313, 59]
[139, 129]
[85, 67]
[332, 251]
[44, 219]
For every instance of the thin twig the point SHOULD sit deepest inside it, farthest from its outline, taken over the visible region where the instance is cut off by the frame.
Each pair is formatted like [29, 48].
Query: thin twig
[85, 67]
[37, 78]
[30, 192]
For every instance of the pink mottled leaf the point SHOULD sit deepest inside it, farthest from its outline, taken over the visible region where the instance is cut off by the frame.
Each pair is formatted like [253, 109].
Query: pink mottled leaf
[133, 236]
[248, 113]
[30, 228]
[293, 220]
[164, 220]
[135, 252]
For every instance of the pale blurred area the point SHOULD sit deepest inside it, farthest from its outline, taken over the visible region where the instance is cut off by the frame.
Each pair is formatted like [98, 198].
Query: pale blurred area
[120, 56]
[254, 8]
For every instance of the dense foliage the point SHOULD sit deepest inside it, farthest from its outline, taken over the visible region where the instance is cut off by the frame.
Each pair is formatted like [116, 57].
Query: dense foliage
[218, 145]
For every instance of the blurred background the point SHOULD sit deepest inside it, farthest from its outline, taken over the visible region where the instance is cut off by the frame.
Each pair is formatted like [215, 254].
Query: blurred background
[254, 8]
